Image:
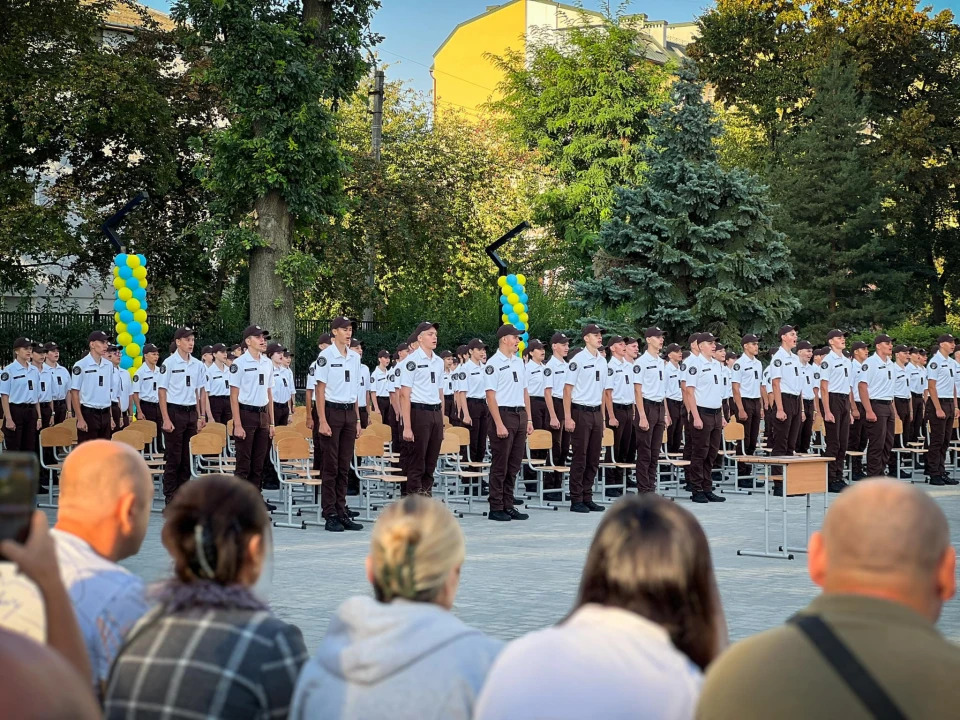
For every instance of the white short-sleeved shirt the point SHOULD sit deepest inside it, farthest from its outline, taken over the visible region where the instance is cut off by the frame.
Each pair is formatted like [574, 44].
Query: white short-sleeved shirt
[380, 385]
[424, 376]
[536, 380]
[940, 372]
[706, 379]
[218, 381]
[252, 377]
[146, 383]
[92, 380]
[60, 382]
[917, 378]
[122, 388]
[877, 374]
[956, 376]
[448, 383]
[765, 380]
[835, 369]
[691, 361]
[785, 366]
[475, 385]
[46, 376]
[555, 374]
[20, 383]
[810, 375]
[747, 372]
[901, 381]
[507, 378]
[280, 385]
[672, 375]
[727, 382]
[619, 381]
[365, 386]
[340, 374]
[587, 373]
[650, 373]
[182, 379]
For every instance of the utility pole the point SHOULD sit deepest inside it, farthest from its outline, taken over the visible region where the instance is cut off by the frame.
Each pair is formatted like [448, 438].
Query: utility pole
[376, 140]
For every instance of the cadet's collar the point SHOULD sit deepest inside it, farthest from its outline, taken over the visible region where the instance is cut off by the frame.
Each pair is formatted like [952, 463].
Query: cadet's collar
[25, 367]
[180, 357]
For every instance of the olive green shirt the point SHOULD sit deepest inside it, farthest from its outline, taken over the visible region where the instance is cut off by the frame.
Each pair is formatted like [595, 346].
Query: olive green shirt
[780, 673]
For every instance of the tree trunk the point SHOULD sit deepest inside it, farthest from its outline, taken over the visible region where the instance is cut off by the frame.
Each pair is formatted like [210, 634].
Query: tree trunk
[937, 301]
[271, 303]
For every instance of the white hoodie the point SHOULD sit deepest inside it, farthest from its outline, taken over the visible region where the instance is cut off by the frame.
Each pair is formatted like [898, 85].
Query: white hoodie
[396, 661]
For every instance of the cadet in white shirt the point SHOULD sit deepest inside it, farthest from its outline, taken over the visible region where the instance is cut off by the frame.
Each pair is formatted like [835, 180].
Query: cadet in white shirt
[365, 389]
[649, 381]
[122, 390]
[536, 386]
[45, 377]
[745, 383]
[807, 373]
[20, 395]
[941, 409]
[705, 385]
[690, 361]
[251, 406]
[476, 415]
[146, 395]
[338, 381]
[917, 380]
[393, 387]
[421, 406]
[459, 384]
[381, 384]
[181, 381]
[618, 401]
[281, 387]
[835, 386]
[875, 387]
[90, 390]
[555, 376]
[858, 434]
[60, 383]
[901, 403]
[508, 400]
[675, 408]
[787, 386]
[218, 386]
[586, 378]
[449, 405]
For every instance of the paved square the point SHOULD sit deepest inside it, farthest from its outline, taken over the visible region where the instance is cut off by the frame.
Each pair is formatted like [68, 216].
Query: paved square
[522, 576]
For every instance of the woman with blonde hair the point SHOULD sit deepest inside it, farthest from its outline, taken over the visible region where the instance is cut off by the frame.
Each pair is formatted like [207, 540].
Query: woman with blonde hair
[401, 654]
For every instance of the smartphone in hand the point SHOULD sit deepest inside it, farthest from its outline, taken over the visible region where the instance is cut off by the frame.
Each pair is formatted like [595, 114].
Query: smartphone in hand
[19, 483]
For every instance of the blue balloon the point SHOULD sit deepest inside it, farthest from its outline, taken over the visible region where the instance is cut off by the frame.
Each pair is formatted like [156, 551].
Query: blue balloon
[132, 283]
[523, 298]
[513, 318]
[143, 259]
[140, 340]
[126, 362]
[139, 293]
[126, 271]
[143, 304]
[126, 316]
[119, 305]
[525, 337]
[120, 260]
[133, 328]
[519, 325]
[503, 299]
[511, 280]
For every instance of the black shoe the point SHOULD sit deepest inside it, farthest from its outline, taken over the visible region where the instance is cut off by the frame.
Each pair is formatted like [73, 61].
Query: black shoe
[519, 501]
[699, 497]
[353, 492]
[859, 476]
[516, 514]
[579, 508]
[904, 475]
[631, 484]
[353, 513]
[937, 480]
[949, 480]
[499, 516]
[713, 497]
[613, 492]
[333, 525]
[778, 490]
[837, 486]
[349, 524]
[552, 497]
[270, 506]
[593, 507]
[688, 488]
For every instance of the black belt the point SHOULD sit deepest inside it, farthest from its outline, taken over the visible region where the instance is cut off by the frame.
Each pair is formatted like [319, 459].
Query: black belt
[680, 402]
[623, 406]
[60, 402]
[919, 395]
[148, 402]
[881, 402]
[481, 401]
[900, 398]
[425, 406]
[708, 411]
[586, 408]
[275, 403]
[796, 395]
[253, 408]
[22, 404]
[541, 398]
[87, 408]
[340, 406]
[652, 402]
[219, 397]
[185, 408]
[514, 410]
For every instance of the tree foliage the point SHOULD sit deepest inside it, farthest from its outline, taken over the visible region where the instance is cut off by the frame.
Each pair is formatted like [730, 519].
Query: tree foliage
[693, 247]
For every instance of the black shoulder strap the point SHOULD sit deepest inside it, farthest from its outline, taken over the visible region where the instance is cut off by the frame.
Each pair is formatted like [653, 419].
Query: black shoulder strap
[853, 673]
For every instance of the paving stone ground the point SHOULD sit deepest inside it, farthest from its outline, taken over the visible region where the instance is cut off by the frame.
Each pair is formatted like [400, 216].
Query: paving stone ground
[523, 576]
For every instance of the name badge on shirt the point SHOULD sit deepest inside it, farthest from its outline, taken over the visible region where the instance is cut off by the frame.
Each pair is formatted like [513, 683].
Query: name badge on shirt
[101, 380]
[515, 377]
[188, 380]
[59, 380]
[433, 377]
[29, 384]
[598, 376]
[346, 376]
[261, 378]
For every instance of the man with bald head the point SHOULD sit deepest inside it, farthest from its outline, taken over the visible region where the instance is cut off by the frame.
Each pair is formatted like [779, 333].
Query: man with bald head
[867, 647]
[105, 498]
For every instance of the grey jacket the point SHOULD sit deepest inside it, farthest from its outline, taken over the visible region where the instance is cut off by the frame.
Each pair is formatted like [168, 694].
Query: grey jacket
[396, 661]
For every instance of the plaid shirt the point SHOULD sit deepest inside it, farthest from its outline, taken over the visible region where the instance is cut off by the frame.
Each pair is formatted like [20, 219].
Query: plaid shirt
[206, 663]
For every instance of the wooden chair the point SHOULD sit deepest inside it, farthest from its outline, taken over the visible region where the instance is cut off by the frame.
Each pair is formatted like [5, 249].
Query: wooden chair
[673, 466]
[55, 438]
[148, 429]
[905, 452]
[600, 483]
[543, 440]
[130, 437]
[294, 467]
[734, 437]
[376, 478]
[459, 485]
[463, 434]
[207, 454]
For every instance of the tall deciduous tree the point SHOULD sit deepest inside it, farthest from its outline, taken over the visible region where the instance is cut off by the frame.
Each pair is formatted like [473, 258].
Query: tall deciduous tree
[282, 68]
[692, 248]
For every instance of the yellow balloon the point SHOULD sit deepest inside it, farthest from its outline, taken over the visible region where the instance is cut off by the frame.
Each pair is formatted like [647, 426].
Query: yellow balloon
[138, 361]
[133, 304]
[132, 370]
[524, 317]
[118, 283]
[121, 328]
[124, 339]
[504, 318]
[124, 293]
[522, 346]
[521, 279]
[140, 315]
[116, 271]
[144, 327]
[502, 280]
[133, 350]
[518, 308]
[133, 261]
[143, 284]
[513, 298]
[116, 317]
[140, 272]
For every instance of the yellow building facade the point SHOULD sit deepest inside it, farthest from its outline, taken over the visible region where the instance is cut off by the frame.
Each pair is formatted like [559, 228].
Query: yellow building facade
[464, 78]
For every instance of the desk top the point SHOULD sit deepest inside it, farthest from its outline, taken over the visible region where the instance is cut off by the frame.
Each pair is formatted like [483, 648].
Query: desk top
[782, 459]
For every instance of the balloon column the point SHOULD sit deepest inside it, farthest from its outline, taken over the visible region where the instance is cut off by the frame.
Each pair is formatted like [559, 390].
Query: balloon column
[513, 305]
[130, 308]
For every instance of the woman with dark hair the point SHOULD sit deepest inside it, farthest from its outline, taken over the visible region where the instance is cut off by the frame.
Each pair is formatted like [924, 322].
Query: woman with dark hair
[646, 623]
[210, 648]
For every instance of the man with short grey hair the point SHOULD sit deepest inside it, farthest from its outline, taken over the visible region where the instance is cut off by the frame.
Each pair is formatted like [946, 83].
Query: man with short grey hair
[867, 647]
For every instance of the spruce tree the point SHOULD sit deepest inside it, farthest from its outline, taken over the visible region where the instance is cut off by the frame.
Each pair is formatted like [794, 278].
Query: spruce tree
[693, 247]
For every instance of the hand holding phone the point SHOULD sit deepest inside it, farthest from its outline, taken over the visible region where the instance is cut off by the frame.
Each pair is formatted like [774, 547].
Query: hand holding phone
[19, 481]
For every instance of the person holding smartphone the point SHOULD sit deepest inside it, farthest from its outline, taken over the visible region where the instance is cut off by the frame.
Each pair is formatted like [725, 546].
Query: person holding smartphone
[20, 395]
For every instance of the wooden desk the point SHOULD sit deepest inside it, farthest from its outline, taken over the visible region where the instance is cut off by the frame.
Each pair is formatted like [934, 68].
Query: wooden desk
[802, 475]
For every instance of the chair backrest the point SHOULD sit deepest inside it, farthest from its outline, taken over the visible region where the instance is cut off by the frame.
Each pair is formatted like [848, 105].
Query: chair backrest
[818, 425]
[56, 436]
[303, 430]
[898, 427]
[733, 432]
[461, 432]
[215, 427]
[375, 419]
[540, 440]
[368, 446]
[450, 445]
[207, 444]
[71, 421]
[285, 431]
[131, 438]
[383, 432]
[607, 438]
[147, 428]
[293, 447]
[446, 421]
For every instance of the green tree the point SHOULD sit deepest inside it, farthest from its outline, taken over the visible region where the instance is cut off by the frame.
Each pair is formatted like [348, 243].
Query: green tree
[282, 68]
[693, 248]
[583, 108]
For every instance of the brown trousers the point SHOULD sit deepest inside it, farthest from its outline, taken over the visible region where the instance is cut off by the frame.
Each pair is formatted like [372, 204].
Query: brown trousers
[914, 431]
[705, 450]
[479, 418]
[59, 411]
[337, 456]
[838, 434]
[806, 428]
[317, 449]
[24, 437]
[902, 406]
[98, 425]
[561, 446]
[858, 438]
[785, 436]
[176, 458]
[879, 437]
[648, 445]
[252, 451]
[220, 408]
[939, 437]
[151, 411]
[675, 431]
[622, 434]
[424, 450]
[506, 458]
[751, 430]
[586, 444]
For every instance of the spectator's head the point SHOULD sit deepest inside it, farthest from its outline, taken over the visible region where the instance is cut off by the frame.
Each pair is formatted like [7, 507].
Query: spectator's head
[215, 530]
[105, 497]
[650, 557]
[36, 682]
[416, 550]
[889, 540]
